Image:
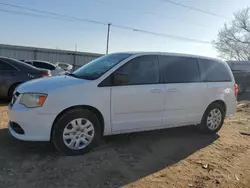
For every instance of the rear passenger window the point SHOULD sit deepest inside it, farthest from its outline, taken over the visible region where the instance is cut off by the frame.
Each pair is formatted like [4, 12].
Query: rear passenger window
[138, 71]
[28, 62]
[214, 71]
[43, 65]
[179, 69]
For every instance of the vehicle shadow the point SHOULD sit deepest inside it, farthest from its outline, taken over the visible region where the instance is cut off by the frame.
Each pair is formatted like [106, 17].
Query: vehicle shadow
[4, 102]
[118, 161]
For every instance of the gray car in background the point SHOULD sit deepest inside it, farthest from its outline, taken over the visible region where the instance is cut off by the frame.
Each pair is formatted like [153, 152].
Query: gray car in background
[14, 72]
[54, 69]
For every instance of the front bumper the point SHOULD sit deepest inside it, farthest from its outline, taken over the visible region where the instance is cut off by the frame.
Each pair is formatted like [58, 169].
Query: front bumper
[36, 126]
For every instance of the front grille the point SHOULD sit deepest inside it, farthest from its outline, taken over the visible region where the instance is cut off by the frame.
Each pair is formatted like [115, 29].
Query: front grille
[15, 95]
[17, 128]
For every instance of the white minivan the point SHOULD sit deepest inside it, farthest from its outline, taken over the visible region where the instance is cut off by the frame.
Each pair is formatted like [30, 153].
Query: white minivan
[123, 93]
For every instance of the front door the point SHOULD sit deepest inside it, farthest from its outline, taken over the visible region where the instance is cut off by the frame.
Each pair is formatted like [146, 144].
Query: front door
[137, 95]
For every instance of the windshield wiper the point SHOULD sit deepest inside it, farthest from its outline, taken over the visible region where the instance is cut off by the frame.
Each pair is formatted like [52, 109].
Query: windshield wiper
[81, 77]
[73, 75]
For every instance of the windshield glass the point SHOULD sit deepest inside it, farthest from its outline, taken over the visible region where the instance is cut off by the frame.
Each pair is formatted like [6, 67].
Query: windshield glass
[99, 66]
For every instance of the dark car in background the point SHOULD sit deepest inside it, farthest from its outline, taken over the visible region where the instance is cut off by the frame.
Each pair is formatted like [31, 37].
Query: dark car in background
[242, 78]
[14, 72]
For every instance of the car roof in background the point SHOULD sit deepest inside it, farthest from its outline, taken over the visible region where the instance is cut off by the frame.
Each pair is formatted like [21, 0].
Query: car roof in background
[60, 63]
[18, 64]
[40, 61]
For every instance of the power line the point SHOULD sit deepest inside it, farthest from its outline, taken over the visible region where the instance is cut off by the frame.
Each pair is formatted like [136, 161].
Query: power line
[196, 9]
[30, 14]
[54, 14]
[162, 35]
[97, 22]
[156, 15]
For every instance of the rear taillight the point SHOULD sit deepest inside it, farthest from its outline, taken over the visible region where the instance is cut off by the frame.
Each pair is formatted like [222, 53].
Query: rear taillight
[236, 89]
[45, 75]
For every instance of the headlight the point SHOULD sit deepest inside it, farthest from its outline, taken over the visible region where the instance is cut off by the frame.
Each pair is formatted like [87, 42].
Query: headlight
[33, 100]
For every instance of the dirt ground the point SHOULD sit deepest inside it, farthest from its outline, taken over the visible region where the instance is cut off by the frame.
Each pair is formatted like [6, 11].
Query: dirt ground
[179, 157]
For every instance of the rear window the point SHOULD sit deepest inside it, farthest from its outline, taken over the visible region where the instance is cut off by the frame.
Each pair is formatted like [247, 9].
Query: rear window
[44, 65]
[214, 71]
[64, 66]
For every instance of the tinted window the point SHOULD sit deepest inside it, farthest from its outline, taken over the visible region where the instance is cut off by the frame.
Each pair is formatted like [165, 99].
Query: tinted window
[30, 63]
[141, 70]
[213, 71]
[44, 65]
[5, 66]
[20, 65]
[99, 66]
[179, 69]
[65, 66]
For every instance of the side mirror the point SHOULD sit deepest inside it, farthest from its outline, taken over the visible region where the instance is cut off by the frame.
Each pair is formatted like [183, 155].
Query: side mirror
[120, 79]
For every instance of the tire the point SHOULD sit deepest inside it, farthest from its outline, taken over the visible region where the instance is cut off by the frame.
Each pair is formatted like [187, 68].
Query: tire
[241, 88]
[11, 91]
[205, 126]
[77, 122]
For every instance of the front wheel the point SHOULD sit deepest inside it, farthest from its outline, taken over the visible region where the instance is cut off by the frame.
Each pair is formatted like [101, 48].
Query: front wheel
[213, 119]
[76, 132]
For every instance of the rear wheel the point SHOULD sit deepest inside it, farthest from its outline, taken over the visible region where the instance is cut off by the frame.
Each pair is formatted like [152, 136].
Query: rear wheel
[76, 132]
[213, 119]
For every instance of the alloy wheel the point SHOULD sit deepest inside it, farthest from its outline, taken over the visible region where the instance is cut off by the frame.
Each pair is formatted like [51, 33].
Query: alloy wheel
[78, 134]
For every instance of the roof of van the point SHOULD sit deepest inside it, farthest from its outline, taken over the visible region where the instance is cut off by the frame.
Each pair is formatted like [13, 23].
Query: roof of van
[170, 54]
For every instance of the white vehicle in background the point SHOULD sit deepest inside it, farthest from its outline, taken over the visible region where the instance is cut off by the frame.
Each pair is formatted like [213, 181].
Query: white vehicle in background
[65, 66]
[55, 69]
[123, 93]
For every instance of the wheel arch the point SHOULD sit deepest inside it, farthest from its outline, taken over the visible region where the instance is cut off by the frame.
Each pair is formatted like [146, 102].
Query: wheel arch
[220, 102]
[13, 85]
[202, 125]
[87, 107]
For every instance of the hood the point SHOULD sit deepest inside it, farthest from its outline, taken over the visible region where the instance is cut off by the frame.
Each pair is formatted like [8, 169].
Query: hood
[44, 85]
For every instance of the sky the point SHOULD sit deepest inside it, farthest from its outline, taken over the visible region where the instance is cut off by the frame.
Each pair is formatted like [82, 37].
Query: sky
[38, 30]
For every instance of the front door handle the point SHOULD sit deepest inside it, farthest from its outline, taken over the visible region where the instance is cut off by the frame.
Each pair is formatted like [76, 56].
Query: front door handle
[172, 90]
[156, 91]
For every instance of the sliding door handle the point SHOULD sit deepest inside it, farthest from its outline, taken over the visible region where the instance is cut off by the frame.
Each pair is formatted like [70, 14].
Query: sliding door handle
[172, 90]
[156, 91]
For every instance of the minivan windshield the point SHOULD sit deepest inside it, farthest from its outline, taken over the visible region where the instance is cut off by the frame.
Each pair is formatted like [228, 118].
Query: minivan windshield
[99, 66]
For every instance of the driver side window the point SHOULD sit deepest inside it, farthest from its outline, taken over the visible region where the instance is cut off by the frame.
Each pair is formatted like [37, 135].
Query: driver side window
[139, 71]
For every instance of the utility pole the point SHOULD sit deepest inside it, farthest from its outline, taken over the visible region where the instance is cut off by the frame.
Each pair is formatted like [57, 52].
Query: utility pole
[107, 48]
[74, 63]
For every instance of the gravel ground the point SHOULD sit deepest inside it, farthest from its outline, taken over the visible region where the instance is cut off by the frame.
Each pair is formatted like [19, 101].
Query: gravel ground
[179, 157]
